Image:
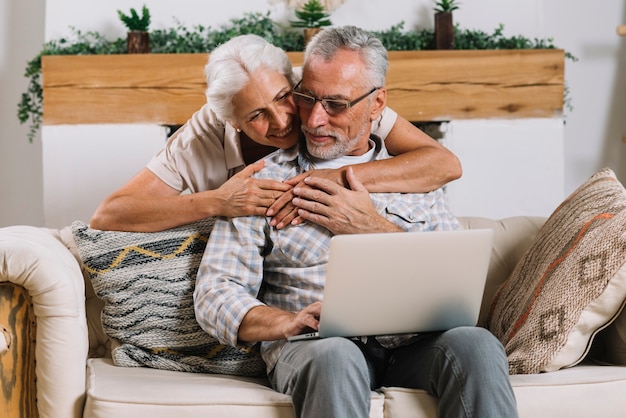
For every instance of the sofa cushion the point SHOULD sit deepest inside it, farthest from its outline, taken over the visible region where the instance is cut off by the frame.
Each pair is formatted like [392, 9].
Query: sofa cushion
[512, 237]
[146, 281]
[129, 393]
[581, 391]
[570, 283]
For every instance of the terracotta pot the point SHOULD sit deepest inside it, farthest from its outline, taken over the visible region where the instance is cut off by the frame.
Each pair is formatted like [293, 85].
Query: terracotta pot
[138, 42]
[309, 33]
[444, 30]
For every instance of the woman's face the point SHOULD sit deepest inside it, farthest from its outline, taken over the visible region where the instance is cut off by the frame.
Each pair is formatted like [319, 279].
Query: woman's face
[265, 111]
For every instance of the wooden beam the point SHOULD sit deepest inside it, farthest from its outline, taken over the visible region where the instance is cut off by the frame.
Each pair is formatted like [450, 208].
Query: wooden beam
[422, 86]
[138, 88]
[445, 85]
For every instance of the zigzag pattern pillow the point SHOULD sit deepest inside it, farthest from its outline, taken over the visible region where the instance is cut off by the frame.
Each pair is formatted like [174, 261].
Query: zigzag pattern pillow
[146, 281]
[570, 284]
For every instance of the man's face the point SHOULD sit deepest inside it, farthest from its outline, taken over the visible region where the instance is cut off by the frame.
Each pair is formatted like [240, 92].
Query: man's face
[346, 133]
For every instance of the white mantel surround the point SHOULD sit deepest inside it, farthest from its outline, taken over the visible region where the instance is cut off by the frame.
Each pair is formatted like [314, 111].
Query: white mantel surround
[510, 167]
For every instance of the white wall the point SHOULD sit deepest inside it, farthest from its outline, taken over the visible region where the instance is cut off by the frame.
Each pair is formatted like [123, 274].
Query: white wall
[503, 174]
[592, 135]
[594, 129]
[97, 15]
[83, 164]
[21, 188]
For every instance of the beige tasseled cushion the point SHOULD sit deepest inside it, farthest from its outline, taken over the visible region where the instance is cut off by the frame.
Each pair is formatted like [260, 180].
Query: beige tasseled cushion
[569, 284]
[146, 281]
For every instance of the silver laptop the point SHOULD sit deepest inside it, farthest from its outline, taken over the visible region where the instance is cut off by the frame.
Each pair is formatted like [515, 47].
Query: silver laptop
[391, 283]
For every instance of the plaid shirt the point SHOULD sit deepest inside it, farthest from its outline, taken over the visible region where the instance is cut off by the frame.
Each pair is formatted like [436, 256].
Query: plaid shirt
[248, 263]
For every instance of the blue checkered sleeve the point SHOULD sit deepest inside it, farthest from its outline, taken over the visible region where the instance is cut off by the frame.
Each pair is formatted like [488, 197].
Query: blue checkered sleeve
[230, 276]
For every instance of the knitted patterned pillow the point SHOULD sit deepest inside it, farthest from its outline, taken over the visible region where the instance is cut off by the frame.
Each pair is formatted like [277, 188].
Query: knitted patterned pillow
[570, 283]
[146, 281]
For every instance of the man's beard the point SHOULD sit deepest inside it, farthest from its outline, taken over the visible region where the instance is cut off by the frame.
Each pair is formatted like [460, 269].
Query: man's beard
[341, 146]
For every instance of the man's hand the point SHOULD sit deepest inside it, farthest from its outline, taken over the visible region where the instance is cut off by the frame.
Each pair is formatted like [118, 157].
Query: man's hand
[243, 195]
[339, 209]
[306, 320]
[283, 211]
[264, 323]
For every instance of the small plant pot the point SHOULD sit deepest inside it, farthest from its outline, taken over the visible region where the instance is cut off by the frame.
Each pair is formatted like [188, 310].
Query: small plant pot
[309, 33]
[444, 30]
[138, 42]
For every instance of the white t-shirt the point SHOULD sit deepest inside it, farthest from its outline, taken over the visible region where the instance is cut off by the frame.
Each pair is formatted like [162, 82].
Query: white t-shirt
[205, 152]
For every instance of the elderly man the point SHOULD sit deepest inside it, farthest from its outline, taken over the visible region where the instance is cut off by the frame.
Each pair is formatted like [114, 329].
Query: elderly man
[259, 283]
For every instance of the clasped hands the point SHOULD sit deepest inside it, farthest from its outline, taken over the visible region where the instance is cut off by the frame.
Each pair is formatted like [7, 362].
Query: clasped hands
[332, 198]
[320, 196]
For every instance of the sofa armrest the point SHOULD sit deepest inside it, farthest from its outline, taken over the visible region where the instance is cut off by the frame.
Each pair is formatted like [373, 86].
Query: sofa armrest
[36, 260]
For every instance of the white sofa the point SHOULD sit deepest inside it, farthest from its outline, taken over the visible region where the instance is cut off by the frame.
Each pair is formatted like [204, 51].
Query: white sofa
[75, 376]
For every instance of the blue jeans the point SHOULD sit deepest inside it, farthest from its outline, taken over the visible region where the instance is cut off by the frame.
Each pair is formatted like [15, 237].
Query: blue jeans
[466, 368]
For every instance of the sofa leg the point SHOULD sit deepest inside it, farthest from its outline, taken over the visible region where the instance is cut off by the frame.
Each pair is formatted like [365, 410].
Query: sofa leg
[18, 390]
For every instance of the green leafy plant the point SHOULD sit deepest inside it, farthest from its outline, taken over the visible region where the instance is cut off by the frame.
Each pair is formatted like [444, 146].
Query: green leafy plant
[311, 15]
[30, 107]
[202, 39]
[134, 22]
[446, 6]
[397, 39]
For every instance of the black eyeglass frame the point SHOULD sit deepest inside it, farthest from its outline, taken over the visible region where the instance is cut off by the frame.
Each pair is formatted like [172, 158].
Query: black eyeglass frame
[346, 104]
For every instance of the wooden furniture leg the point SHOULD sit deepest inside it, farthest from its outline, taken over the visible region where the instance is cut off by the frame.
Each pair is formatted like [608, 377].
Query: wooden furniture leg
[18, 390]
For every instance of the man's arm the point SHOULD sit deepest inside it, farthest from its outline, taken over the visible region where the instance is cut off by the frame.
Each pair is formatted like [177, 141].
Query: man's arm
[228, 280]
[147, 204]
[264, 323]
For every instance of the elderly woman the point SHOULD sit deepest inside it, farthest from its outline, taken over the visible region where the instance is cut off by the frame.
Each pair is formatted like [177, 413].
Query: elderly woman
[208, 155]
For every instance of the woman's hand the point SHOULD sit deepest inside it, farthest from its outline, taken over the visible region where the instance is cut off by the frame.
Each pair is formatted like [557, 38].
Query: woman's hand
[336, 175]
[243, 195]
[283, 211]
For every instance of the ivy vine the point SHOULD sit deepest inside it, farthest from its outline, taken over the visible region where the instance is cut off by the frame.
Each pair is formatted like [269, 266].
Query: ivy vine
[201, 39]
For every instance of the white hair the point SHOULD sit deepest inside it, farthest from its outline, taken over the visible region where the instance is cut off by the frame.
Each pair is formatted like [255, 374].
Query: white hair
[373, 53]
[230, 65]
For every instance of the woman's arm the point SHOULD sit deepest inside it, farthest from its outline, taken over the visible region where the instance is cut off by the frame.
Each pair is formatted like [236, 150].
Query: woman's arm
[421, 164]
[147, 204]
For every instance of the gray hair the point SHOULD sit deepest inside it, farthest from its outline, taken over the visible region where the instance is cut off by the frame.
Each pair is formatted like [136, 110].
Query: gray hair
[230, 65]
[374, 55]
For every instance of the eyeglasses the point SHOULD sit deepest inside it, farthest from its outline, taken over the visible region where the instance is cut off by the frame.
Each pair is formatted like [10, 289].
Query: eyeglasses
[332, 106]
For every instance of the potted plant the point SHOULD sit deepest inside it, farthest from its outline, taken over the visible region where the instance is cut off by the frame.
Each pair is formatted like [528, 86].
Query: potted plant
[312, 16]
[444, 27]
[138, 38]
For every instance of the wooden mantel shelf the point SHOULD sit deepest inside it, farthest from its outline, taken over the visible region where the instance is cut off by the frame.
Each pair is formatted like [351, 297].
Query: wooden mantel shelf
[422, 86]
